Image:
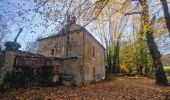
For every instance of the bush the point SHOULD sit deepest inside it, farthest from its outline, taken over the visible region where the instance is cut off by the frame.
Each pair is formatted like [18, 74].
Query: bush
[110, 77]
[167, 70]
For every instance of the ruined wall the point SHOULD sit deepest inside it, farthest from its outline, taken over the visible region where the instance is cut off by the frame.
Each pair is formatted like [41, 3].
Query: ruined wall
[9, 59]
[69, 67]
[30, 62]
[55, 45]
[94, 65]
[56, 63]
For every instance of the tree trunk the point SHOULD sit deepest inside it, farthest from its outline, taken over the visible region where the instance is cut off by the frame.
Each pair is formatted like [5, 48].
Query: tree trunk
[156, 56]
[166, 13]
[109, 61]
[159, 72]
[116, 58]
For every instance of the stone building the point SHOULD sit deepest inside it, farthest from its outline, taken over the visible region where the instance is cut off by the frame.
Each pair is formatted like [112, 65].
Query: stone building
[74, 52]
[166, 59]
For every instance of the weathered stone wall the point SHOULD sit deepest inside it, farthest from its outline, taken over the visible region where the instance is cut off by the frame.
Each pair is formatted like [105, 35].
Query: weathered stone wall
[9, 59]
[57, 63]
[31, 62]
[71, 66]
[90, 64]
[57, 44]
[79, 73]
[94, 65]
[75, 46]
[166, 59]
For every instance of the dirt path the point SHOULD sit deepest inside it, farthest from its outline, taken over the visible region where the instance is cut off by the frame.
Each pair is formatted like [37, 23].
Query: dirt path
[120, 89]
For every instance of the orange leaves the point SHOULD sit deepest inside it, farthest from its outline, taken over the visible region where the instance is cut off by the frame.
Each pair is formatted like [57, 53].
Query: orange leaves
[121, 88]
[123, 68]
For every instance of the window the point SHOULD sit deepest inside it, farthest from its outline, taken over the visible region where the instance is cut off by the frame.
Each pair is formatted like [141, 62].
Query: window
[93, 52]
[81, 68]
[52, 51]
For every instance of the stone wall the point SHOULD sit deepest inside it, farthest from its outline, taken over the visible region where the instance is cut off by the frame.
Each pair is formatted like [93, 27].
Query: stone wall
[9, 59]
[32, 62]
[57, 44]
[75, 45]
[166, 59]
[89, 65]
[93, 60]
[69, 67]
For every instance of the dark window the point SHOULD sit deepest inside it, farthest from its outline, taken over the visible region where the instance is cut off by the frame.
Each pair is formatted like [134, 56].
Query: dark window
[52, 51]
[93, 51]
[81, 68]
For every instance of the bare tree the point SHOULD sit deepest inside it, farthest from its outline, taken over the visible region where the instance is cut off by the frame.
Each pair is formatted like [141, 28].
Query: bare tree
[3, 30]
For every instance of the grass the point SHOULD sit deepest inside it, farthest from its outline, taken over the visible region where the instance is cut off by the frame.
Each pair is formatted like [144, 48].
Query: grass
[167, 68]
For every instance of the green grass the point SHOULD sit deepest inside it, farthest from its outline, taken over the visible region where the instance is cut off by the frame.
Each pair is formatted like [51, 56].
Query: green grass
[167, 68]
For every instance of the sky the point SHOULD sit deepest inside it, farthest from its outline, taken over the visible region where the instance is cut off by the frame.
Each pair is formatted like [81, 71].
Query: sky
[30, 31]
[15, 23]
[32, 28]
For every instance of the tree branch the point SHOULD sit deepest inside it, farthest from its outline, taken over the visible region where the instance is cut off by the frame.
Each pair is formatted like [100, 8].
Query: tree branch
[132, 13]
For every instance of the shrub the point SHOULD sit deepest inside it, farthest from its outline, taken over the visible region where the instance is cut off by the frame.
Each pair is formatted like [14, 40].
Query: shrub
[110, 77]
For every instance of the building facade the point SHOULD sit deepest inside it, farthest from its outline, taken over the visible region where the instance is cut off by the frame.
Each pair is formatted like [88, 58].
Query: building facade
[75, 52]
[166, 59]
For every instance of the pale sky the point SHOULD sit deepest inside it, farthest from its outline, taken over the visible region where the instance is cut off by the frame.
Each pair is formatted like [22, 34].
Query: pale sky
[34, 18]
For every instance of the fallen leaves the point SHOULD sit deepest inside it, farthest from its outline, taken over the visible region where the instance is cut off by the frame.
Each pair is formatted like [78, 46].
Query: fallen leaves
[120, 89]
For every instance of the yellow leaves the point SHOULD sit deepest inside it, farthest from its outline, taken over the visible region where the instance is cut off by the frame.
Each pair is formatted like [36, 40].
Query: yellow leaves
[99, 6]
[158, 31]
[123, 68]
[96, 12]
[110, 7]
[79, 10]
[118, 2]
[136, 53]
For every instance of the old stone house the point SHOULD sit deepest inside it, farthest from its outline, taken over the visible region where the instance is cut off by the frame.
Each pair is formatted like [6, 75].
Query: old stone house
[166, 59]
[75, 52]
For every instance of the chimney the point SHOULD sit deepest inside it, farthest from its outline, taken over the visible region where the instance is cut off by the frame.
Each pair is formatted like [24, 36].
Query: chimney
[68, 17]
[71, 19]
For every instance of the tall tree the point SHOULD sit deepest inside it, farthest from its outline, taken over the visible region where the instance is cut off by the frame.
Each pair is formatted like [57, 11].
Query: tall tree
[166, 13]
[110, 26]
[156, 56]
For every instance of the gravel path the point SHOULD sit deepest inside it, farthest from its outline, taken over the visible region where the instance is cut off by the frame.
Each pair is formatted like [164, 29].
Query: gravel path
[123, 88]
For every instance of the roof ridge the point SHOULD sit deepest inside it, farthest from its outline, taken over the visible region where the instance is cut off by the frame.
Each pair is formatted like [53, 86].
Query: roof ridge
[62, 33]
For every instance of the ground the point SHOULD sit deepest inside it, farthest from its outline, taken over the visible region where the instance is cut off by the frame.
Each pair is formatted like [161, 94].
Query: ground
[123, 88]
